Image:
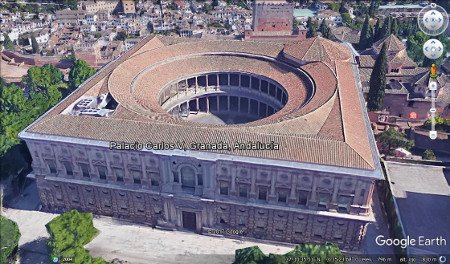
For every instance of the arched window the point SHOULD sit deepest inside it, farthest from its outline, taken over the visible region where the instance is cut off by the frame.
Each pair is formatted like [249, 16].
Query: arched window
[187, 177]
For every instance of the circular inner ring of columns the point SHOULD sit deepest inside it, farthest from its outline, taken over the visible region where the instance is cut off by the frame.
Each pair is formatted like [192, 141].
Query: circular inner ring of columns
[223, 97]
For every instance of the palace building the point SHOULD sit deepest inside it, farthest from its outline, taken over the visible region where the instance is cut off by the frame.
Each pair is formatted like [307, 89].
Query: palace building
[265, 140]
[273, 21]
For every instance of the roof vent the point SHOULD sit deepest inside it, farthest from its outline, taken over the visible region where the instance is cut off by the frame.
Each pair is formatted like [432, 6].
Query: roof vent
[98, 106]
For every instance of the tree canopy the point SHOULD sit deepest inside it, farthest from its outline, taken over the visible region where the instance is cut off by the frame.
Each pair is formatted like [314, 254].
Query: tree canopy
[365, 35]
[392, 139]
[312, 28]
[9, 239]
[121, 35]
[428, 155]
[414, 47]
[69, 233]
[375, 97]
[325, 30]
[34, 44]
[39, 79]
[19, 109]
[79, 73]
[7, 43]
[323, 254]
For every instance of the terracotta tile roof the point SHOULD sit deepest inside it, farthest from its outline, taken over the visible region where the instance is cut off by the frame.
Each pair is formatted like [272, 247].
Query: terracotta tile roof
[317, 49]
[321, 122]
[393, 44]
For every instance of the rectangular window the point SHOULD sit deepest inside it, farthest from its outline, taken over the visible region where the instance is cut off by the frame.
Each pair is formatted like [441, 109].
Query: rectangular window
[51, 166]
[102, 171]
[224, 188]
[344, 201]
[154, 182]
[243, 191]
[282, 196]
[119, 174]
[200, 179]
[324, 199]
[262, 193]
[136, 176]
[68, 166]
[176, 178]
[303, 197]
[85, 170]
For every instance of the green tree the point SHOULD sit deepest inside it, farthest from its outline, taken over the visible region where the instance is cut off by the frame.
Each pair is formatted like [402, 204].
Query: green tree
[69, 233]
[79, 73]
[365, 35]
[394, 27]
[414, 46]
[342, 8]
[249, 255]
[377, 33]
[386, 29]
[325, 30]
[121, 35]
[428, 155]
[312, 28]
[374, 4]
[7, 43]
[40, 78]
[207, 8]
[34, 44]
[9, 239]
[375, 97]
[334, 6]
[326, 253]
[12, 99]
[392, 139]
[346, 19]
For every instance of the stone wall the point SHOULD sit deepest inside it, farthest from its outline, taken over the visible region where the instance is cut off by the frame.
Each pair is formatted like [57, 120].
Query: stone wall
[262, 201]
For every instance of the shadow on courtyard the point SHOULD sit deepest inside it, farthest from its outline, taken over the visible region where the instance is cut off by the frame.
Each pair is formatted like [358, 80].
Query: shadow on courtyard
[35, 252]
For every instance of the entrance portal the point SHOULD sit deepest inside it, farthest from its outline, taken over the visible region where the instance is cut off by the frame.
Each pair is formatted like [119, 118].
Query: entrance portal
[189, 221]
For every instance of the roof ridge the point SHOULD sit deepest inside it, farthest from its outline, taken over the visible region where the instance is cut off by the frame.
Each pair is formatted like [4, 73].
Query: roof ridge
[368, 163]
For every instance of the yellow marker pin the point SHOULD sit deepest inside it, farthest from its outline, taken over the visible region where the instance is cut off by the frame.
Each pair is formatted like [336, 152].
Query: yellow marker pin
[433, 71]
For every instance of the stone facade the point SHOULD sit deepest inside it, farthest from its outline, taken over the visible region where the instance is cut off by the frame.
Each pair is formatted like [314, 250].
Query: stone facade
[232, 198]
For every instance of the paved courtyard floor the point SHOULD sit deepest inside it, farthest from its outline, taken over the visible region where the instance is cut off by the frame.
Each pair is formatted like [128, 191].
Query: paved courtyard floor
[133, 243]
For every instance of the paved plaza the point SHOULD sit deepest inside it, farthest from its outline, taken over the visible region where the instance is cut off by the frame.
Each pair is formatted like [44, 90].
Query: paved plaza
[132, 243]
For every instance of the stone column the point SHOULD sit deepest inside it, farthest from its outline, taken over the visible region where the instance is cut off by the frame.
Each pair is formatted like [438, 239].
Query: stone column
[272, 197]
[218, 81]
[312, 202]
[206, 80]
[128, 178]
[218, 103]
[207, 104]
[196, 84]
[259, 108]
[166, 175]
[233, 181]
[334, 205]
[239, 104]
[229, 82]
[253, 194]
[146, 182]
[292, 196]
